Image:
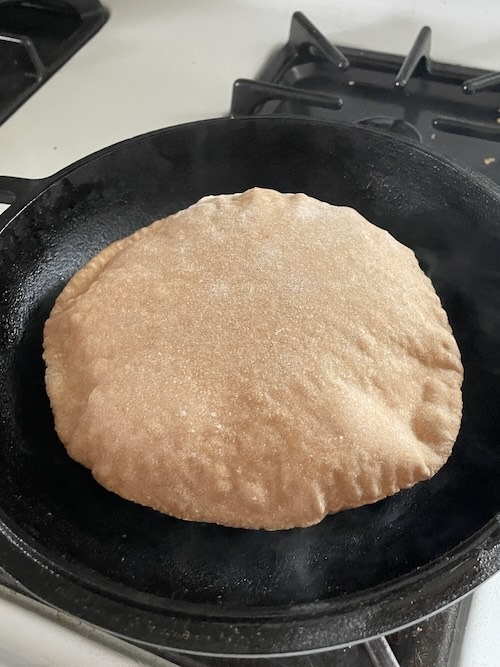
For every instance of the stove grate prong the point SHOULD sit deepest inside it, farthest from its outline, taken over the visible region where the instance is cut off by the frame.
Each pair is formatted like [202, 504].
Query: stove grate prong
[14, 44]
[467, 128]
[418, 56]
[249, 95]
[482, 82]
[303, 34]
[381, 653]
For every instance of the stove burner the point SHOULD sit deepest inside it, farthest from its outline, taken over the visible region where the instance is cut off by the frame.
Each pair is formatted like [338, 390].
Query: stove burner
[393, 125]
[453, 109]
[36, 38]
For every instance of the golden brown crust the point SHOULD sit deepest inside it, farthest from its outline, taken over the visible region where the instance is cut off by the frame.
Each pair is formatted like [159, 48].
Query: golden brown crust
[257, 360]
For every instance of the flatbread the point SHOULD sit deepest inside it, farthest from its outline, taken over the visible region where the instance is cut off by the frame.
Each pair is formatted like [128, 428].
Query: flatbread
[257, 360]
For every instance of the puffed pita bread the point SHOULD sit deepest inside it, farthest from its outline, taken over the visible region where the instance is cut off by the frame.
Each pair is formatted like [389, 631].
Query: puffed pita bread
[257, 360]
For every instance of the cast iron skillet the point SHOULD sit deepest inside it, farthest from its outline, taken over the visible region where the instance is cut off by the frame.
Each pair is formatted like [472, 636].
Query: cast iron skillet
[206, 588]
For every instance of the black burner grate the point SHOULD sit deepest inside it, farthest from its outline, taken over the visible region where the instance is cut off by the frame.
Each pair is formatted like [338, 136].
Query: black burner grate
[36, 38]
[454, 109]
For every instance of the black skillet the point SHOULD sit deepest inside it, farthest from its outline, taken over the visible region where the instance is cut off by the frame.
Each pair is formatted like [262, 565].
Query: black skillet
[205, 588]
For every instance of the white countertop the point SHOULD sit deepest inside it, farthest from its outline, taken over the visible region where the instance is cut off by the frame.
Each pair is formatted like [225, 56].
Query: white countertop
[158, 63]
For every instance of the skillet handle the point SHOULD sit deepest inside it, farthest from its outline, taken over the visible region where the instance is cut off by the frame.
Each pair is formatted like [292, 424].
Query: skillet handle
[12, 189]
[17, 192]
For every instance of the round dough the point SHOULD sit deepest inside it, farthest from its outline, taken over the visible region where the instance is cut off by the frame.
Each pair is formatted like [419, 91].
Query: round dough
[257, 360]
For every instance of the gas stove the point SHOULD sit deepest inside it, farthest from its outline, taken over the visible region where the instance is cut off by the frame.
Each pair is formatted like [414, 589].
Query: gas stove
[160, 64]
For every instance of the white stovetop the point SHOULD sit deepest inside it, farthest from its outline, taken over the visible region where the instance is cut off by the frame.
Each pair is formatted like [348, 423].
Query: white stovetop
[162, 62]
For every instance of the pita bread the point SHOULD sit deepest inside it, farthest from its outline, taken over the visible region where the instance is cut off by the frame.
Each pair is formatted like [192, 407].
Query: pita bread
[257, 360]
